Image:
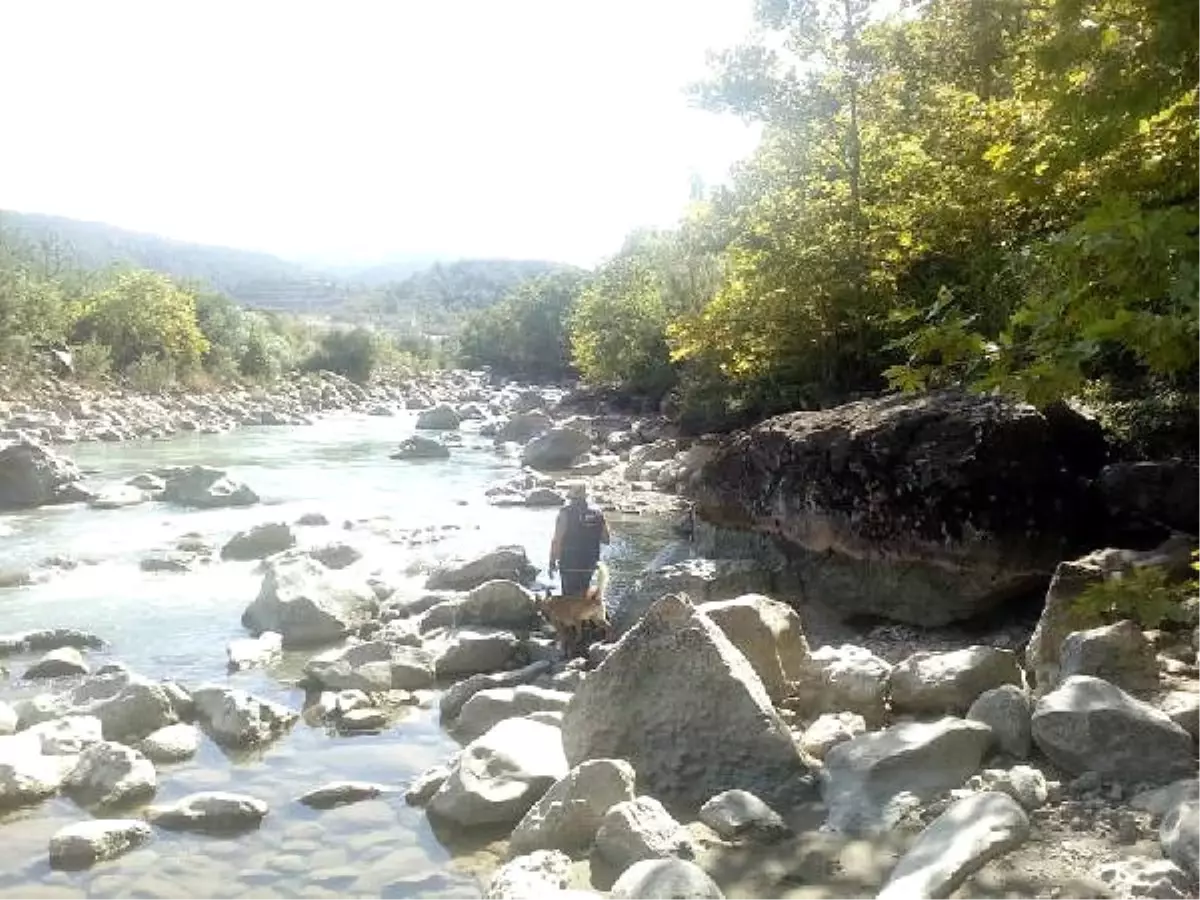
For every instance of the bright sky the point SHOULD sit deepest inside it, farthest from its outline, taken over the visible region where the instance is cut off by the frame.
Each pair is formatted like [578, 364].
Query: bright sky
[354, 129]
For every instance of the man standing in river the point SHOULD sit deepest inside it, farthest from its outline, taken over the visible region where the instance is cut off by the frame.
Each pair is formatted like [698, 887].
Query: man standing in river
[575, 549]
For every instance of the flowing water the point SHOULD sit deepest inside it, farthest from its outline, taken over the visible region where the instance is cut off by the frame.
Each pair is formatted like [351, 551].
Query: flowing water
[404, 516]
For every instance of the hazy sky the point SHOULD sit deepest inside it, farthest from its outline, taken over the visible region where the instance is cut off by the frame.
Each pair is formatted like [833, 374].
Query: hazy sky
[535, 128]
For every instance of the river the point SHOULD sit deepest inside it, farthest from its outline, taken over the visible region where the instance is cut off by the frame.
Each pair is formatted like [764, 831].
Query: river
[176, 625]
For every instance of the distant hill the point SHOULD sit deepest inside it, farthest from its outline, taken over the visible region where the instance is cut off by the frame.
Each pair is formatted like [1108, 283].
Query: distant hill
[436, 299]
[255, 279]
[414, 292]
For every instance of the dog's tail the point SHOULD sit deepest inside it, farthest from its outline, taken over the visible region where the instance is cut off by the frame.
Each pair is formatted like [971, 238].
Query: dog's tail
[601, 579]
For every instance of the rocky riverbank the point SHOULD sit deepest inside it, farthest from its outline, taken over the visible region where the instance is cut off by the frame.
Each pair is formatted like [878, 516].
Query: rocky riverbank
[731, 742]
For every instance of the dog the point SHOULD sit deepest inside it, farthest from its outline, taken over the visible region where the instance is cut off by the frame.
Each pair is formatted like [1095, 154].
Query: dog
[568, 615]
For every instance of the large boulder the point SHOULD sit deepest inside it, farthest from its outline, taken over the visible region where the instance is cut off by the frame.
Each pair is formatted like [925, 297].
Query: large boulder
[706, 726]
[556, 449]
[569, 814]
[948, 683]
[308, 604]
[497, 604]
[927, 509]
[872, 780]
[206, 488]
[770, 636]
[501, 774]
[31, 476]
[61, 663]
[1089, 725]
[507, 563]
[1061, 614]
[958, 843]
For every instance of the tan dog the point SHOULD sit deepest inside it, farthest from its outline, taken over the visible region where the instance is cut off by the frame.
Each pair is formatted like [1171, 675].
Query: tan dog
[568, 614]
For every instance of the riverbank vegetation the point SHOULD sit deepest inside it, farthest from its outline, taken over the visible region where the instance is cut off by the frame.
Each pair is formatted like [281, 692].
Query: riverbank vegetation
[155, 331]
[992, 193]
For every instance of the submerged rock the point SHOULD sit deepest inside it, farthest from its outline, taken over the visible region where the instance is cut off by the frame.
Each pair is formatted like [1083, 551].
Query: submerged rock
[86, 843]
[341, 793]
[209, 811]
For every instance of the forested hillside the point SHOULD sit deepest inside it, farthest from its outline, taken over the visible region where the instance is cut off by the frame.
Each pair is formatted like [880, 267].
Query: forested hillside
[255, 279]
[438, 298]
[994, 193]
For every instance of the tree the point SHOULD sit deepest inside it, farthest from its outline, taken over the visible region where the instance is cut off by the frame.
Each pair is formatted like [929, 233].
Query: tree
[143, 314]
[526, 333]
